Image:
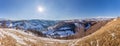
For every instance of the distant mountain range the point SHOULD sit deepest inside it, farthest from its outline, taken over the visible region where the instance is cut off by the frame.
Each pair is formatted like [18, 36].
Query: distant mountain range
[38, 25]
[61, 29]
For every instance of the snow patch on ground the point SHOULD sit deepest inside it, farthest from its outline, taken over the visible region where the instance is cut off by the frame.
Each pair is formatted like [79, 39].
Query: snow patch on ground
[21, 32]
[50, 42]
[97, 43]
[1, 34]
[91, 43]
[28, 39]
[18, 39]
[114, 19]
[113, 34]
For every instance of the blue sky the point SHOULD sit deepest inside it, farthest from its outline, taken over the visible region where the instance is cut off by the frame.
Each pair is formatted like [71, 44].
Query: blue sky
[58, 9]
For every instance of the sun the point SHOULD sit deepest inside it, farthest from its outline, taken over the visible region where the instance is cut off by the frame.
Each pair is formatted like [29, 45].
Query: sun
[40, 9]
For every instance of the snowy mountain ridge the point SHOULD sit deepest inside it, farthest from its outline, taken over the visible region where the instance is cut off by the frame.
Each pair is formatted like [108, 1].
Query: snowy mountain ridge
[38, 25]
[52, 29]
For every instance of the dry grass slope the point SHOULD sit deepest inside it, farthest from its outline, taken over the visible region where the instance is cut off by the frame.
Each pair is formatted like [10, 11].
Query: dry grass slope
[109, 35]
[12, 37]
